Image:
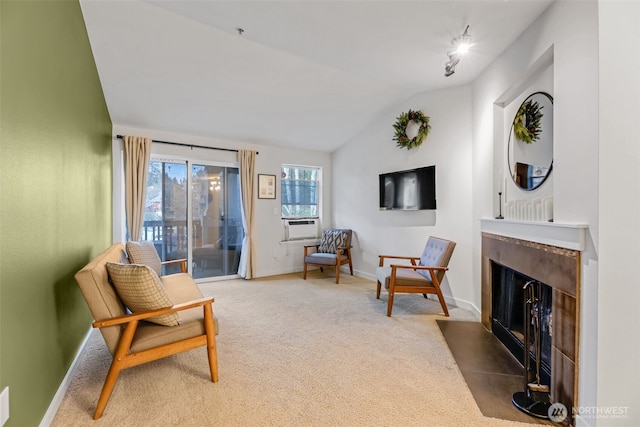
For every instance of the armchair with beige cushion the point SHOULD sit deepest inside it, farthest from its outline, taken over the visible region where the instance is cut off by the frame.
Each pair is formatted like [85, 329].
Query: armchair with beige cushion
[423, 275]
[144, 317]
[334, 250]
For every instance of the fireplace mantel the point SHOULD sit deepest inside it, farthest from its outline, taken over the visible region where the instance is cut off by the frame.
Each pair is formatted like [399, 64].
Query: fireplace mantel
[569, 236]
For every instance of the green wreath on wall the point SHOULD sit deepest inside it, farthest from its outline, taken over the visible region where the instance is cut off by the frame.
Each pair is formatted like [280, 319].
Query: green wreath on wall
[400, 127]
[526, 124]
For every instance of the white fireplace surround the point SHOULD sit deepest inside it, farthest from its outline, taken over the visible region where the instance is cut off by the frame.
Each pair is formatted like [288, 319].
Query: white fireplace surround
[569, 236]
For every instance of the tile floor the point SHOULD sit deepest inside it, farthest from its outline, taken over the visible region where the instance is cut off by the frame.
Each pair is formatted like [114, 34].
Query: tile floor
[491, 372]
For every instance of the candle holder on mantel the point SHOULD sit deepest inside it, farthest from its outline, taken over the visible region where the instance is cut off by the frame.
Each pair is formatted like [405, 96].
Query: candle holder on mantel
[500, 206]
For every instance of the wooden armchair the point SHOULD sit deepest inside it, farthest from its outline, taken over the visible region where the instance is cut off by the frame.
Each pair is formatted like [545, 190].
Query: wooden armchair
[423, 275]
[334, 250]
[133, 335]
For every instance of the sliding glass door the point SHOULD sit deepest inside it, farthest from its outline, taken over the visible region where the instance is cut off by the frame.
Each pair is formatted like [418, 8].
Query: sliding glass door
[165, 216]
[216, 220]
[193, 211]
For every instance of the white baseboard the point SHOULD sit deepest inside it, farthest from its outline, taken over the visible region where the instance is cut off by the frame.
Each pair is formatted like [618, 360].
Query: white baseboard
[300, 270]
[278, 272]
[364, 275]
[455, 302]
[64, 385]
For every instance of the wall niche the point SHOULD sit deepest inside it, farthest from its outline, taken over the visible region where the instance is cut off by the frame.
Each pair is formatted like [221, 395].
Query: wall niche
[523, 189]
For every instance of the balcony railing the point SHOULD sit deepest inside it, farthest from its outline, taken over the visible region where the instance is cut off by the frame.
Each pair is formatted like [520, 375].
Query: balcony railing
[218, 252]
[169, 237]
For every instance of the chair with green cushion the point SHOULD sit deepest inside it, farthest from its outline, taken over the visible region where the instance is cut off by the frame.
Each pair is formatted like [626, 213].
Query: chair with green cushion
[334, 250]
[422, 275]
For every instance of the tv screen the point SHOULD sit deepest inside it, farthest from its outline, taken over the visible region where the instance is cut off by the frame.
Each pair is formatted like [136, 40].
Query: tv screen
[413, 189]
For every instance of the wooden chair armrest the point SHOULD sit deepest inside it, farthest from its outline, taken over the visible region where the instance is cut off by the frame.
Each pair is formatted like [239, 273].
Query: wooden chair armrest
[182, 262]
[399, 257]
[306, 248]
[346, 249]
[413, 259]
[174, 261]
[419, 267]
[141, 315]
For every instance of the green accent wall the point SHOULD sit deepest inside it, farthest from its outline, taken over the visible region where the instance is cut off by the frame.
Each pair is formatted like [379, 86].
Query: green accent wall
[55, 196]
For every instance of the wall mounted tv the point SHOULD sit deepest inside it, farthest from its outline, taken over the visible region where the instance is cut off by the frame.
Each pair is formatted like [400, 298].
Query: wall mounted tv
[413, 189]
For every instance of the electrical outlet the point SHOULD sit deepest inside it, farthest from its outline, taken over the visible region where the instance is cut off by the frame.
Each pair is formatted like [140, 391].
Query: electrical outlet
[4, 406]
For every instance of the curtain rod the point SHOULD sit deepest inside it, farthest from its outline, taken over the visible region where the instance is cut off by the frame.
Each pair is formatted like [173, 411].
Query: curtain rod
[188, 145]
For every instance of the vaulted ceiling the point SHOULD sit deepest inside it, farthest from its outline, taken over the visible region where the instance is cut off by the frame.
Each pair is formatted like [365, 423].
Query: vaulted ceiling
[307, 74]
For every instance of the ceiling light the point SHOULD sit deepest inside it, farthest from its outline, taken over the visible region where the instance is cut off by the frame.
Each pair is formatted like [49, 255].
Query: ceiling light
[463, 48]
[461, 44]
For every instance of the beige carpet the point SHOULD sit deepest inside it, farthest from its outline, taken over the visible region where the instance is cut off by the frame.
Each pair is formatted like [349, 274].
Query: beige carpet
[293, 353]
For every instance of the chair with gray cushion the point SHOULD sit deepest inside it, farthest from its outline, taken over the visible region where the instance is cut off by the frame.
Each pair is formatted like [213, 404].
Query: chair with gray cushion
[422, 275]
[334, 250]
[144, 317]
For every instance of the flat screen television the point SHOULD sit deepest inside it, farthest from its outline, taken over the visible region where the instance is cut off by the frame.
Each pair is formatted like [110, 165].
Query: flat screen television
[413, 189]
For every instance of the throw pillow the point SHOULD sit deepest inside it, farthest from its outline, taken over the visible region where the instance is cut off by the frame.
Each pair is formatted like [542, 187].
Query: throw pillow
[143, 252]
[331, 241]
[140, 288]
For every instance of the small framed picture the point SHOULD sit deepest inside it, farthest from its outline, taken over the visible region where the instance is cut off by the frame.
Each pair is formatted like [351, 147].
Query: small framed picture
[266, 186]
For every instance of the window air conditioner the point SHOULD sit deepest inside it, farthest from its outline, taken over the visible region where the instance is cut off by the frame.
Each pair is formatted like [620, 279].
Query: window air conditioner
[298, 229]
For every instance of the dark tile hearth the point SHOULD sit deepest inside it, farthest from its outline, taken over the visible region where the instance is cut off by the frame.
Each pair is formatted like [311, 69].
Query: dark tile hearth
[489, 369]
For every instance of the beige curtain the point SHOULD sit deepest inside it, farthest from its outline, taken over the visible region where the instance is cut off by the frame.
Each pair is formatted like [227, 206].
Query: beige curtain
[137, 152]
[247, 160]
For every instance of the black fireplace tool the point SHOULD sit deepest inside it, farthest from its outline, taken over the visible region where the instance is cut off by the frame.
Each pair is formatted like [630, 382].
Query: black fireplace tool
[535, 399]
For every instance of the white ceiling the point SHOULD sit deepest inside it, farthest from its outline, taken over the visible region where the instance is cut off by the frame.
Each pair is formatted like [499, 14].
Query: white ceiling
[308, 74]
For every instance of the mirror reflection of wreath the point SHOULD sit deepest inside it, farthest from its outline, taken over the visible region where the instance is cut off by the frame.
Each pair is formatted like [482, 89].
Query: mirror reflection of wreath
[418, 117]
[526, 124]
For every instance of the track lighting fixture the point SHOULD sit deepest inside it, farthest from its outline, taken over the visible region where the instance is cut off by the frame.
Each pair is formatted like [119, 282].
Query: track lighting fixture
[461, 44]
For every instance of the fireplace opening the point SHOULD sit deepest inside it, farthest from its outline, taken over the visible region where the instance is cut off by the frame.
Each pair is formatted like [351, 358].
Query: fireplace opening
[508, 317]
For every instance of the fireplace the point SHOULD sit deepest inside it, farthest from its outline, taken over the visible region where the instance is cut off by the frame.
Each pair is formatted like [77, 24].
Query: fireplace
[509, 293]
[559, 270]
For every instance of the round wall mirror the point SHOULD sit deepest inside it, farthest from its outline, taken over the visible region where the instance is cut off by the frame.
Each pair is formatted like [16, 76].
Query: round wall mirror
[530, 152]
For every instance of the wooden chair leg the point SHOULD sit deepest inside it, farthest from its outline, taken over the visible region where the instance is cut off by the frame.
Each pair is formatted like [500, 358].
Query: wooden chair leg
[304, 276]
[212, 351]
[378, 290]
[107, 388]
[436, 286]
[442, 302]
[337, 273]
[390, 304]
[116, 367]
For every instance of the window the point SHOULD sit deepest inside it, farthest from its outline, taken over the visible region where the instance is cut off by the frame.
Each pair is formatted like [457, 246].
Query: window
[300, 190]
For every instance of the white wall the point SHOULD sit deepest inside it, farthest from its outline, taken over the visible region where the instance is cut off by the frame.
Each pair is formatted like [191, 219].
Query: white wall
[356, 167]
[570, 30]
[619, 204]
[272, 257]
